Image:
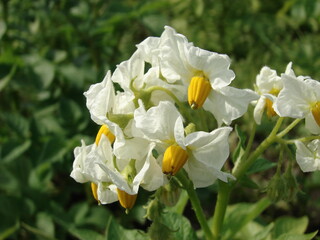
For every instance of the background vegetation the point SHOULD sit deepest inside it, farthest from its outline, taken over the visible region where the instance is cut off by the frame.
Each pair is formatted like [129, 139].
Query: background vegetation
[52, 50]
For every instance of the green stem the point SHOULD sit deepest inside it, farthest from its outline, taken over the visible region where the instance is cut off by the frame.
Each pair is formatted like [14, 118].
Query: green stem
[220, 209]
[246, 163]
[289, 128]
[225, 189]
[188, 185]
[303, 139]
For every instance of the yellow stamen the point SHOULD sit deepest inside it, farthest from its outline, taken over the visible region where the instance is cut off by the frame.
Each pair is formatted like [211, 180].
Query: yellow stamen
[315, 109]
[269, 103]
[105, 130]
[270, 110]
[174, 158]
[198, 91]
[94, 188]
[126, 200]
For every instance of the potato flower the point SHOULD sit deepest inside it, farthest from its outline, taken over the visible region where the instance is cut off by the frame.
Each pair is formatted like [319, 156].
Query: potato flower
[300, 98]
[201, 154]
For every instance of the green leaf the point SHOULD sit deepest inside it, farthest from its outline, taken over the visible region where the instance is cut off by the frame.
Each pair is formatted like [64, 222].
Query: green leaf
[261, 164]
[172, 226]
[285, 225]
[115, 231]
[239, 215]
[294, 236]
[86, 234]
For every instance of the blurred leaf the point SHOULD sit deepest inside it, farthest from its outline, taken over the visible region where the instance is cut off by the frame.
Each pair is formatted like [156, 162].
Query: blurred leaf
[3, 28]
[17, 123]
[5, 80]
[239, 215]
[5, 233]
[45, 223]
[17, 151]
[246, 181]
[260, 165]
[294, 236]
[286, 225]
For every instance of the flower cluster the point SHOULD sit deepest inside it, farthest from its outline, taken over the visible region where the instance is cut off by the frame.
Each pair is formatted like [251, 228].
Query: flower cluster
[150, 109]
[296, 97]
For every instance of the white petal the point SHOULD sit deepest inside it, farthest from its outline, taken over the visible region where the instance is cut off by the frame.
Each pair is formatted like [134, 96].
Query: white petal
[229, 103]
[215, 66]
[311, 124]
[154, 178]
[268, 79]
[259, 109]
[150, 50]
[293, 100]
[107, 194]
[202, 175]
[212, 149]
[79, 172]
[307, 160]
[100, 99]
[158, 122]
[129, 71]
[174, 66]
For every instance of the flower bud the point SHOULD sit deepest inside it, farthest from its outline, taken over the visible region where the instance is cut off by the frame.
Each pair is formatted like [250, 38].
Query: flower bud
[276, 188]
[169, 194]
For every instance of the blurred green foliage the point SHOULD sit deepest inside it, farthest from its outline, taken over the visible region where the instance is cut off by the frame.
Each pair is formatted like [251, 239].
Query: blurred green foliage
[52, 50]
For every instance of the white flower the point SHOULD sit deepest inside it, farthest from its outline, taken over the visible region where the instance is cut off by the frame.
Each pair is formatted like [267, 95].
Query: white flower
[205, 77]
[268, 86]
[202, 154]
[129, 174]
[85, 170]
[133, 79]
[300, 98]
[308, 157]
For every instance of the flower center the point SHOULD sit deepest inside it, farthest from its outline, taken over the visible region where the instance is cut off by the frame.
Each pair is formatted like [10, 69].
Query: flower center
[174, 158]
[126, 200]
[270, 110]
[198, 91]
[269, 103]
[315, 109]
[105, 130]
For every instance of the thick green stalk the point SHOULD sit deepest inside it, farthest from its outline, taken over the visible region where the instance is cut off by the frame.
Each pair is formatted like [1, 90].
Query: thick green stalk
[225, 189]
[188, 185]
[220, 209]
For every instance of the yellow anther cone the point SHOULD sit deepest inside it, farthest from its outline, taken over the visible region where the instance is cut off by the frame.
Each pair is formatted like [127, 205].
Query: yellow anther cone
[269, 107]
[316, 112]
[173, 160]
[126, 200]
[198, 91]
[104, 130]
[94, 189]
